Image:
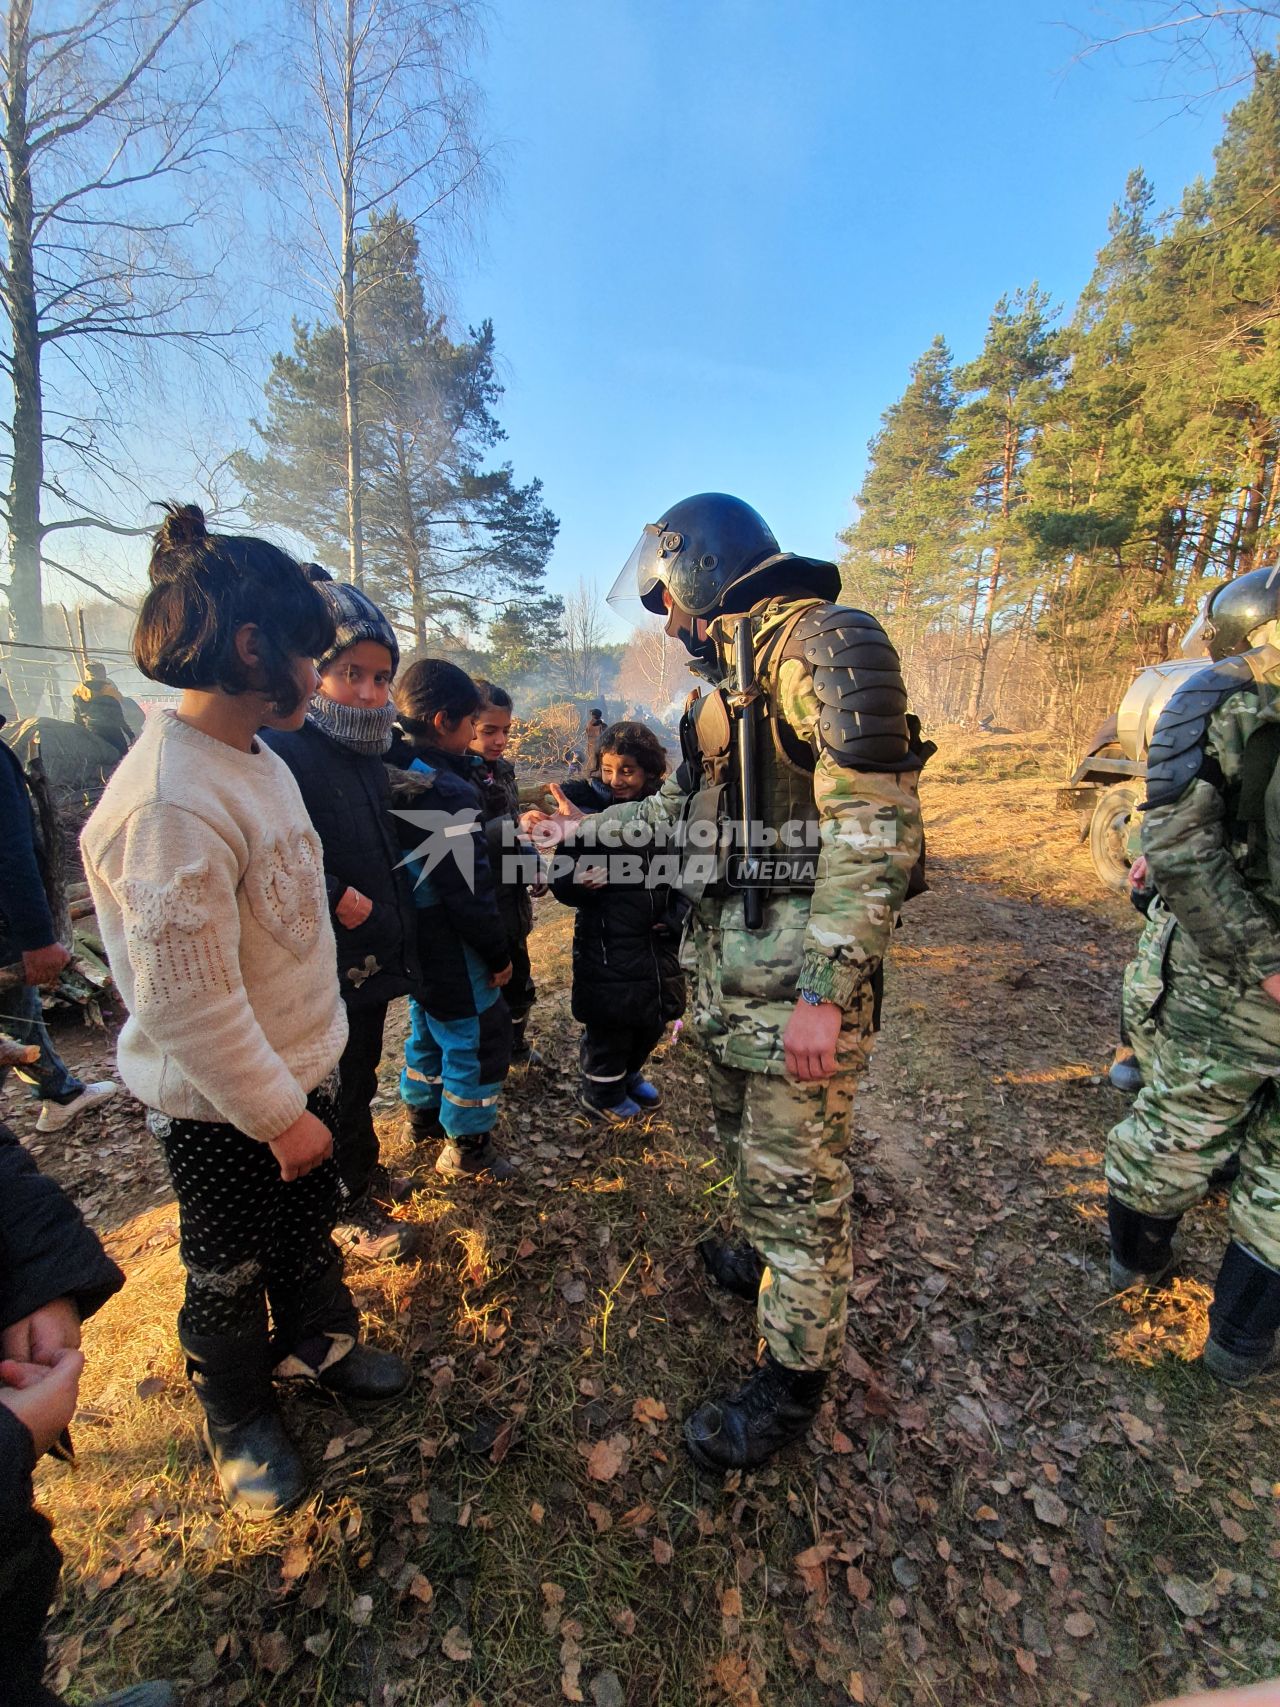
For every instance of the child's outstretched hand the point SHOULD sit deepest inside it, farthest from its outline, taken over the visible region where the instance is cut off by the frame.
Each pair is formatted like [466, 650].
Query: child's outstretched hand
[42, 1396]
[302, 1146]
[591, 877]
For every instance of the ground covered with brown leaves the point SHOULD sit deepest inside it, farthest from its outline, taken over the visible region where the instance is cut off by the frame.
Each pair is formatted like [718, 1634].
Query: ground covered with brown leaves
[1022, 1491]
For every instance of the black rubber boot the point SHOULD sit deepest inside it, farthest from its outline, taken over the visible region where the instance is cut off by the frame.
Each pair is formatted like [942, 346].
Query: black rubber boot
[1141, 1245]
[1243, 1318]
[471, 1158]
[258, 1466]
[367, 1374]
[771, 1409]
[733, 1264]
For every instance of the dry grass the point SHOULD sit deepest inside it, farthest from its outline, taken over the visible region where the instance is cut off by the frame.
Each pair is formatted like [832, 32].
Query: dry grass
[459, 1549]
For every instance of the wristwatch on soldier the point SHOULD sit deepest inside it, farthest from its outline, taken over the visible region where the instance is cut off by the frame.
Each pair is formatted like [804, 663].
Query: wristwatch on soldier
[812, 997]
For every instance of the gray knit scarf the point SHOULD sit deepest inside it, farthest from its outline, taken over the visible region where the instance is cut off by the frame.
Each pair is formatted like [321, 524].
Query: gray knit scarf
[355, 727]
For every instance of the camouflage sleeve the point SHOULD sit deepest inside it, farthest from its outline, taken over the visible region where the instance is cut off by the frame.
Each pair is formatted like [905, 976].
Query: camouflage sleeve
[870, 835]
[1188, 848]
[659, 811]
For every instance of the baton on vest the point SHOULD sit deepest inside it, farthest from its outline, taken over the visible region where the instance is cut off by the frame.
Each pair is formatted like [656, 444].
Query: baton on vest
[745, 705]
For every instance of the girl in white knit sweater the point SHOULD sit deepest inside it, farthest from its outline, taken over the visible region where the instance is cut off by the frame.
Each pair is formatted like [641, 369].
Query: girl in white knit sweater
[208, 882]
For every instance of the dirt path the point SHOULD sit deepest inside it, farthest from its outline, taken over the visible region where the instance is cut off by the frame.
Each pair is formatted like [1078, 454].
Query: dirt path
[1023, 1491]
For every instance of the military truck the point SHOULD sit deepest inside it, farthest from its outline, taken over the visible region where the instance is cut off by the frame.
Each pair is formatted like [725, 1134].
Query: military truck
[1108, 782]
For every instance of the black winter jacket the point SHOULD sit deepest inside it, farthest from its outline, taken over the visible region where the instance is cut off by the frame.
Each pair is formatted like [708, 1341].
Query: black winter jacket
[461, 936]
[499, 809]
[348, 798]
[626, 939]
[46, 1252]
[25, 919]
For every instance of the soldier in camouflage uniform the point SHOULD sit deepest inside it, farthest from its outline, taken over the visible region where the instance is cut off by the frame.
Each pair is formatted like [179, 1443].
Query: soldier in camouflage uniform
[784, 1013]
[1209, 981]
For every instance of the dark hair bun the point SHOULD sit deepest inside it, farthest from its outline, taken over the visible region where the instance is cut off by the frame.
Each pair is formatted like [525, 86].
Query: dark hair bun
[183, 526]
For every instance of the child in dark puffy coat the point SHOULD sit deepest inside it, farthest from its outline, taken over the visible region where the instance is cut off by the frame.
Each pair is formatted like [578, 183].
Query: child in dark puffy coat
[500, 796]
[627, 982]
[459, 1045]
[337, 761]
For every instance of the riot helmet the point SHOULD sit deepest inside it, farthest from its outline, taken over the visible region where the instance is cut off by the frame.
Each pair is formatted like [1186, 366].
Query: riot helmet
[1239, 608]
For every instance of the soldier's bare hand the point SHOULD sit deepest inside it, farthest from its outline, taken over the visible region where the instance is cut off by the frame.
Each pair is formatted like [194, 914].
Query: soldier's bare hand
[1271, 986]
[564, 806]
[1138, 873]
[809, 1042]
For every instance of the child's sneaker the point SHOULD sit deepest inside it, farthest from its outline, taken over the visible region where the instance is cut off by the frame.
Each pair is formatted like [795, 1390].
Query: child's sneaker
[472, 1157]
[616, 1114]
[55, 1115]
[643, 1092]
[366, 1231]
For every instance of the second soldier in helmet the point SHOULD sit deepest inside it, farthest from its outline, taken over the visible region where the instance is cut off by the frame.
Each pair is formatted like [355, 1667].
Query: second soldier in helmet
[785, 1012]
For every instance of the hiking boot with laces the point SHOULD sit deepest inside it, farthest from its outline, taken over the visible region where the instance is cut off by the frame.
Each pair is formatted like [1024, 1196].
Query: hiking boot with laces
[734, 1265]
[474, 1158]
[772, 1408]
[365, 1230]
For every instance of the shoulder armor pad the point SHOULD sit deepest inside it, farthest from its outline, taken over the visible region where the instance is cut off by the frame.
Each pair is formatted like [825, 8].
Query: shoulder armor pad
[858, 680]
[1176, 756]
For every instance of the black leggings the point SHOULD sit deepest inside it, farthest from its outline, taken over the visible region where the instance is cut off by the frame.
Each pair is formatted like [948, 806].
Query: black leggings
[244, 1230]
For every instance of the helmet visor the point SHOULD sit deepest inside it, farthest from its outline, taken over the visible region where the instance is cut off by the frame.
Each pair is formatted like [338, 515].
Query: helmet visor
[637, 592]
[1195, 642]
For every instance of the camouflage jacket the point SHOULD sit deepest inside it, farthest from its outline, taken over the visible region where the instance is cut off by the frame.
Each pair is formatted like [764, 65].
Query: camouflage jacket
[1214, 855]
[869, 829]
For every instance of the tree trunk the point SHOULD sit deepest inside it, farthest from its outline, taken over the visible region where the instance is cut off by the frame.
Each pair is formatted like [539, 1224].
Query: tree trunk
[1253, 500]
[350, 354]
[27, 472]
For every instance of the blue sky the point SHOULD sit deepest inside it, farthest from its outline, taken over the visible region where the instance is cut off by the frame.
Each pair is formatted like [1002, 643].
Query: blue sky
[727, 228]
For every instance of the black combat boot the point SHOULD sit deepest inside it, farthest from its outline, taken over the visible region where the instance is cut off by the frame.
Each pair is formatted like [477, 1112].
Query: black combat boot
[1141, 1245]
[772, 1408]
[473, 1156]
[1243, 1318]
[733, 1264]
[1125, 1073]
[257, 1464]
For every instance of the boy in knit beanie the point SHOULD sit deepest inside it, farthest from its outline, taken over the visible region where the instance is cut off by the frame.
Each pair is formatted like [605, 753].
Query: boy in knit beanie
[337, 760]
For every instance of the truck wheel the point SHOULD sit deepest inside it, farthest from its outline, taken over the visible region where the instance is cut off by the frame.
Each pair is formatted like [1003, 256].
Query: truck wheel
[1109, 833]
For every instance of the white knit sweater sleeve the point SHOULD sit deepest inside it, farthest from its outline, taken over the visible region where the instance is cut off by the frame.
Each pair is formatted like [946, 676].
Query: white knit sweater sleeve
[174, 880]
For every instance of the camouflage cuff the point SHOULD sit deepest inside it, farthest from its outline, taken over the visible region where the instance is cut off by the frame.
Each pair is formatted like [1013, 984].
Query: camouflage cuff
[830, 979]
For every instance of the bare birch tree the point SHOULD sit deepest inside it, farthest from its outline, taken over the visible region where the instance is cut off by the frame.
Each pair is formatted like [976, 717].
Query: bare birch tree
[108, 118]
[580, 652]
[384, 113]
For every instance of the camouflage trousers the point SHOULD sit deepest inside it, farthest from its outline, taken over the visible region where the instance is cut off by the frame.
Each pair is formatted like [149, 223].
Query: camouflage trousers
[1143, 989]
[1212, 1068]
[788, 1144]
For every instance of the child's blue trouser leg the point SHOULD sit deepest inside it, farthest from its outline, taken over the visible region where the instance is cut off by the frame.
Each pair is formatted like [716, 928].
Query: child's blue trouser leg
[476, 1054]
[422, 1081]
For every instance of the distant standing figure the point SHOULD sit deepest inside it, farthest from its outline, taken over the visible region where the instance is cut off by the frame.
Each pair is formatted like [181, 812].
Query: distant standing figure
[28, 935]
[96, 705]
[594, 736]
